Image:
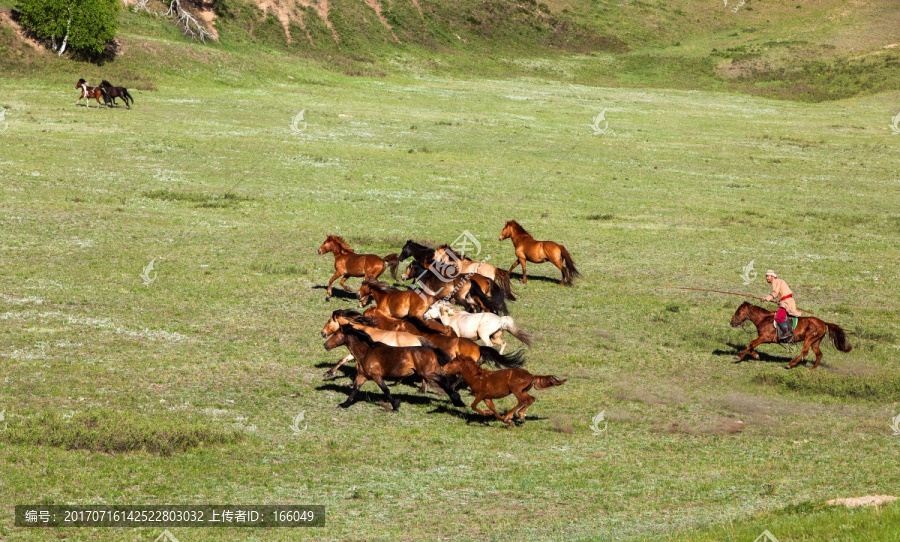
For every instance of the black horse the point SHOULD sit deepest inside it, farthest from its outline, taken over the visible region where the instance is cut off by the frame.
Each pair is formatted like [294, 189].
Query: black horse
[117, 92]
[419, 253]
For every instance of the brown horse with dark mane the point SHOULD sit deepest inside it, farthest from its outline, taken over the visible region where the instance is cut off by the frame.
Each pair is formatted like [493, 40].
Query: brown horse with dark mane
[527, 249]
[490, 385]
[393, 302]
[378, 362]
[350, 264]
[809, 330]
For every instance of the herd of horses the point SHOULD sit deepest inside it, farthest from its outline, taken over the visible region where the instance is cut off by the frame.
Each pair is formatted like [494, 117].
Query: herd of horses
[106, 91]
[420, 331]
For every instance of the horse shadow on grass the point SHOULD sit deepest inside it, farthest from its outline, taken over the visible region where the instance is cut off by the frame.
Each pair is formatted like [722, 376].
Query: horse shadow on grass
[471, 417]
[518, 276]
[338, 292]
[763, 357]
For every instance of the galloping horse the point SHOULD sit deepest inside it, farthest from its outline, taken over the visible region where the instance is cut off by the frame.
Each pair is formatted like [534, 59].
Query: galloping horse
[116, 92]
[485, 326]
[474, 292]
[389, 323]
[393, 302]
[458, 347]
[350, 264]
[418, 252]
[810, 330]
[490, 385]
[378, 362]
[358, 321]
[538, 252]
[446, 255]
[90, 92]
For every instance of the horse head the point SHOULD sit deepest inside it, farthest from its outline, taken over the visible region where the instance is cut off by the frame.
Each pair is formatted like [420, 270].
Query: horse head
[331, 326]
[741, 314]
[337, 339]
[80, 83]
[507, 230]
[365, 294]
[326, 247]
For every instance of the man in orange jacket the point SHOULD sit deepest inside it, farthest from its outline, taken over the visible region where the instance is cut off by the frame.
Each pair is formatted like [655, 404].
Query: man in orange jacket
[782, 294]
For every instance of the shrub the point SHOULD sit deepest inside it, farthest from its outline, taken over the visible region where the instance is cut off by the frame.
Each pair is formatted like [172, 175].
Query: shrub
[84, 25]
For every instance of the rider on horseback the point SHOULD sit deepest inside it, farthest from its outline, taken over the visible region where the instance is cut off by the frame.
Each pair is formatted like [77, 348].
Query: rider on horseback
[782, 294]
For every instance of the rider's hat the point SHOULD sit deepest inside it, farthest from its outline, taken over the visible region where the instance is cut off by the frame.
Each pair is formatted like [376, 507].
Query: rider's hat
[771, 273]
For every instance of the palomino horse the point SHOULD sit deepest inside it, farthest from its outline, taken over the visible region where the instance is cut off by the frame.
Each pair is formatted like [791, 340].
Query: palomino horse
[116, 92]
[484, 325]
[446, 255]
[379, 362]
[388, 323]
[489, 385]
[393, 302]
[88, 92]
[466, 348]
[475, 292]
[350, 264]
[810, 330]
[527, 249]
[362, 323]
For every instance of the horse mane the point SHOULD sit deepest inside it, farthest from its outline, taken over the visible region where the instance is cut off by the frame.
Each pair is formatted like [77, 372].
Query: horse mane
[347, 329]
[340, 242]
[378, 286]
[516, 227]
[419, 324]
[354, 317]
[448, 251]
[105, 83]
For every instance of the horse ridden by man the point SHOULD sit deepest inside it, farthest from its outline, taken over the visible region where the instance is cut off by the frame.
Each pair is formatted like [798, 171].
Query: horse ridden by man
[786, 325]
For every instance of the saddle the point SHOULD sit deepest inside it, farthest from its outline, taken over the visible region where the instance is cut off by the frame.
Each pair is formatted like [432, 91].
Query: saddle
[786, 334]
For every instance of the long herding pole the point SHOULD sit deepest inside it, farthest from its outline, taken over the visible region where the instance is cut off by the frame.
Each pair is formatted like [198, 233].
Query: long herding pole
[722, 292]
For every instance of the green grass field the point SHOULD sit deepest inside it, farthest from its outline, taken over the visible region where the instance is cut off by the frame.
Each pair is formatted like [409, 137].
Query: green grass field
[184, 391]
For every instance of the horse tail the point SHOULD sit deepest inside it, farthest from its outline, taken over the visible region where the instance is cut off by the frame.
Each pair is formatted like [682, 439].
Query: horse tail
[501, 277]
[547, 381]
[495, 301]
[393, 262]
[509, 361]
[507, 323]
[443, 358]
[570, 265]
[838, 337]
[105, 95]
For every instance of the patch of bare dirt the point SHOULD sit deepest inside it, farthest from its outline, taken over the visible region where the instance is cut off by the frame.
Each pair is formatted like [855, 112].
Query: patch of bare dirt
[868, 500]
[205, 13]
[6, 19]
[718, 426]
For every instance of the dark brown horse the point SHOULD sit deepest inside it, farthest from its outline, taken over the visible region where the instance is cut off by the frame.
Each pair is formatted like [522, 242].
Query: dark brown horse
[117, 92]
[393, 302]
[809, 330]
[368, 325]
[417, 251]
[88, 92]
[490, 385]
[350, 264]
[527, 249]
[375, 361]
[475, 292]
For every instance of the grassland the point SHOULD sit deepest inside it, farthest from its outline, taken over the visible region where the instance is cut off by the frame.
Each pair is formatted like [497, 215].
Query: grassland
[205, 368]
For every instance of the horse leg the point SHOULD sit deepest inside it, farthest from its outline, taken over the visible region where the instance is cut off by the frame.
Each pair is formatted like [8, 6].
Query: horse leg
[343, 285]
[802, 355]
[756, 342]
[524, 273]
[562, 269]
[521, 412]
[490, 404]
[328, 289]
[448, 389]
[333, 370]
[524, 400]
[395, 403]
[515, 263]
[485, 337]
[495, 338]
[478, 399]
[357, 382]
[818, 352]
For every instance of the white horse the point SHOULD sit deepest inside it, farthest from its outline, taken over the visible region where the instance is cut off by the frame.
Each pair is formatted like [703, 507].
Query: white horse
[486, 326]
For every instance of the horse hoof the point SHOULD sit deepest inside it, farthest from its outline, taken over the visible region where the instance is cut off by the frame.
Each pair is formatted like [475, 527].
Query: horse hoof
[788, 367]
[328, 374]
[345, 404]
[396, 405]
[737, 359]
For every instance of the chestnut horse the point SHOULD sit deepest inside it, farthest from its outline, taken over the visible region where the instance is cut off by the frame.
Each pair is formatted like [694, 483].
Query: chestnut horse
[378, 362]
[350, 264]
[358, 321]
[475, 292]
[466, 266]
[810, 330]
[90, 92]
[490, 385]
[393, 302]
[527, 249]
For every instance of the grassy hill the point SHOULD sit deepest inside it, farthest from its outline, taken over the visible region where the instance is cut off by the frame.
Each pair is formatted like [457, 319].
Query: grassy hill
[808, 50]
